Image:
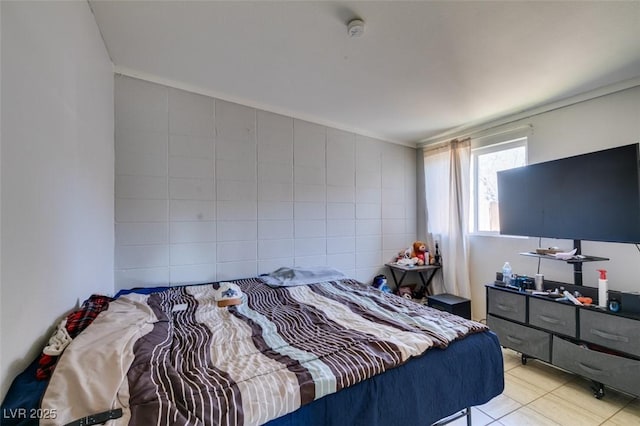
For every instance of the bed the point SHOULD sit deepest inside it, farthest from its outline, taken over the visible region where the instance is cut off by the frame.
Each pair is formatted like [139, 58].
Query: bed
[327, 353]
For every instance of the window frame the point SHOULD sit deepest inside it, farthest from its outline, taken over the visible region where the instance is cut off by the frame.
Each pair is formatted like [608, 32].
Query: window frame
[488, 149]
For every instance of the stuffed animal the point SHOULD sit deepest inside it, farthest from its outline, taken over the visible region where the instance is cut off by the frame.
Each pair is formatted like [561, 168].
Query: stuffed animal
[405, 292]
[403, 254]
[419, 252]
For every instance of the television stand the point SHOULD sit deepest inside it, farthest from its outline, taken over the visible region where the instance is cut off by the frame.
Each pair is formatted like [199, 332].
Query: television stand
[599, 345]
[575, 261]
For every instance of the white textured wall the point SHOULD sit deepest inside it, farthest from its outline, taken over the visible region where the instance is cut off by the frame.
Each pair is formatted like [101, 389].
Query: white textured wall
[210, 190]
[57, 171]
[600, 123]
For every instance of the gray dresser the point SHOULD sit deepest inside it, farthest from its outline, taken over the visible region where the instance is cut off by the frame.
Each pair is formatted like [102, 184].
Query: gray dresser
[593, 343]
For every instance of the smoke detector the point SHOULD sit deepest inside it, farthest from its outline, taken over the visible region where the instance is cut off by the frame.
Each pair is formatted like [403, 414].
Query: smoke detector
[355, 27]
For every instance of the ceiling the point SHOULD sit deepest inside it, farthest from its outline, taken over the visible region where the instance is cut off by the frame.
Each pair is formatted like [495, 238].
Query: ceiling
[420, 69]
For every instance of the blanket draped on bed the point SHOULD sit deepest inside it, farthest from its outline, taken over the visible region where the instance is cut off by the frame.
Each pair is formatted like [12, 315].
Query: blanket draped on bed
[175, 357]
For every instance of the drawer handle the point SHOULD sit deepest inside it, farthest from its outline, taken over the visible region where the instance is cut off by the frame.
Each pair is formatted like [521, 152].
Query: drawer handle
[609, 336]
[514, 340]
[550, 320]
[589, 369]
[505, 308]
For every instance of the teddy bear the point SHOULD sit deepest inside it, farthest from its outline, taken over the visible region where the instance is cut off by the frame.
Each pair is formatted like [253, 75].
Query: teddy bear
[419, 253]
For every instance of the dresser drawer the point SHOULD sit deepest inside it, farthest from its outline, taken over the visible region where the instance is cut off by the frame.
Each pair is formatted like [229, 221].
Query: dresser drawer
[553, 316]
[534, 343]
[508, 305]
[621, 334]
[615, 371]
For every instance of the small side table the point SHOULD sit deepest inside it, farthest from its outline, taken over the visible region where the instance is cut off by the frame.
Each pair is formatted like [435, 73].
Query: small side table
[451, 303]
[428, 270]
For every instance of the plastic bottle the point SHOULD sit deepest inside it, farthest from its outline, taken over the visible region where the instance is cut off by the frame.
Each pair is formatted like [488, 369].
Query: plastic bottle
[603, 287]
[506, 273]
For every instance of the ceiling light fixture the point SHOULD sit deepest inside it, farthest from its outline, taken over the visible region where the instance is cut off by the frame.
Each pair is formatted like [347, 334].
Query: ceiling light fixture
[355, 27]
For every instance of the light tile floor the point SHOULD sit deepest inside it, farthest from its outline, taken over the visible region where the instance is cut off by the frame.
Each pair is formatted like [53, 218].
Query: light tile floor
[540, 394]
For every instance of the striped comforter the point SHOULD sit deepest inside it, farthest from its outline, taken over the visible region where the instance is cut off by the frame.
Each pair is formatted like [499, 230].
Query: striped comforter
[175, 357]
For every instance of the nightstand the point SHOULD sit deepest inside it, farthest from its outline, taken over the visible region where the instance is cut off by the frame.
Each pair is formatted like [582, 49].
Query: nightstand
[451, 303]
[428, 270]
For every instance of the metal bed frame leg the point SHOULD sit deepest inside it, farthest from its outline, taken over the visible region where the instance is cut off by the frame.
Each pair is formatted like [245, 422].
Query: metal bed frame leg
[464, 413]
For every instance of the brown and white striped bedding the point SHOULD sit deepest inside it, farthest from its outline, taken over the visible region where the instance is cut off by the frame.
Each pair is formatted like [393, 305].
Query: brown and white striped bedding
[245, 364]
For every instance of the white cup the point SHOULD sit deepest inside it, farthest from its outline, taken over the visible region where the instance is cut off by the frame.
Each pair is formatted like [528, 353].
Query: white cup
[539, 281]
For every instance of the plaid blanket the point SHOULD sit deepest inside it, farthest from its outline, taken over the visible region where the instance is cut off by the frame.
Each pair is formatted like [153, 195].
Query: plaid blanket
[76, 322]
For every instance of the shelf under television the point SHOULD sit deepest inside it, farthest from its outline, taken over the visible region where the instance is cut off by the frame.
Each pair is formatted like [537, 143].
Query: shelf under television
[572, 260]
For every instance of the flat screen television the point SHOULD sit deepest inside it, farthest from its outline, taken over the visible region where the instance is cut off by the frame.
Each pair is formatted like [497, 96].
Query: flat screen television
[593, 197]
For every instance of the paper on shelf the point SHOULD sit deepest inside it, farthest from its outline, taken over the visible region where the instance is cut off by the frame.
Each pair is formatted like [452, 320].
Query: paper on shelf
[566, 255]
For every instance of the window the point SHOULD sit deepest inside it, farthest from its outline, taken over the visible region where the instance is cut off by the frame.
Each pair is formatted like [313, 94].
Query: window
[485, 163]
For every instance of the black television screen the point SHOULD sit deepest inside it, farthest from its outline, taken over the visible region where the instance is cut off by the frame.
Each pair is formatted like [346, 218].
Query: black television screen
[593, 197]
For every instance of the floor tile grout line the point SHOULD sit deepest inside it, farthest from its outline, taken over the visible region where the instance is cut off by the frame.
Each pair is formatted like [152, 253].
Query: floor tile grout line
[539, 413]
[619, 410]
[595, 414]
[572, 378]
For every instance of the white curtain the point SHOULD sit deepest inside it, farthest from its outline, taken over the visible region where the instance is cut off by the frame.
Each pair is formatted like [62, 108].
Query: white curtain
[446, 175]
